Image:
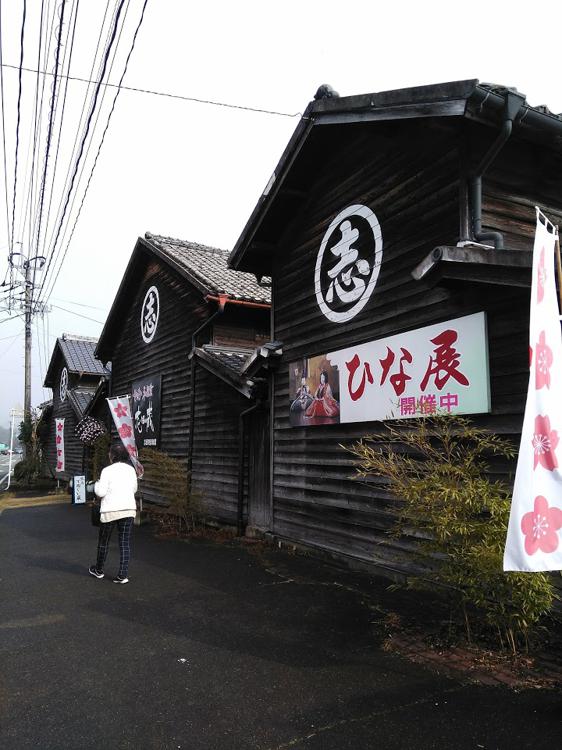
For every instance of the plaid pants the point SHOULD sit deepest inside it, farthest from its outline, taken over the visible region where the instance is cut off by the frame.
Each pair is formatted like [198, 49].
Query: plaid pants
[125, 527]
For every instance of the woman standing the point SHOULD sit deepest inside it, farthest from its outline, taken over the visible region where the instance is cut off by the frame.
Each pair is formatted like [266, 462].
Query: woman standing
[116, 488]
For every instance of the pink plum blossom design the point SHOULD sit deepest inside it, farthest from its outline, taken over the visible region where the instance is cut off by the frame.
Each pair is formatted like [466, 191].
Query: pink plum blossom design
[540, 527]
[541, 278]
[120, 411]
[545, 442]
[543, 362]
[125, 431]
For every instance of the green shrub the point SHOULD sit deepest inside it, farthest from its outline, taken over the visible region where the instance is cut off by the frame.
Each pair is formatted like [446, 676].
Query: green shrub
[99, 451]
[169, 477]
[27, 471]
[438, 468]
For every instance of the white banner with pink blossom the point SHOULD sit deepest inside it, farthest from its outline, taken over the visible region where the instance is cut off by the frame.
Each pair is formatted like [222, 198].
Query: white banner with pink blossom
[120, 407]
[535, 523]
[59, 444]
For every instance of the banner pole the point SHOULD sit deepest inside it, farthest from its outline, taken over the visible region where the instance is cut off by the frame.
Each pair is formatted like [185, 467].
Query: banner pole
[559, 272]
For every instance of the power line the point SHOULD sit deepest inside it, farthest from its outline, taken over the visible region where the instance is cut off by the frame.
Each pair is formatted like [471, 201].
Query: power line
[19, 115]
[78, 304]
[76, 137]
[78, 315]
[197, 100]
[24, 208]
[34, 199]
[85, 135]
[4, 135]
[99, 147]
[57, 252]
[50, 128]
[77, 5]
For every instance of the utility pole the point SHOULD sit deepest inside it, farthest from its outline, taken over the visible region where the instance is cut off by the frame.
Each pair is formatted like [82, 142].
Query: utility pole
[27, 359]
[28, 268]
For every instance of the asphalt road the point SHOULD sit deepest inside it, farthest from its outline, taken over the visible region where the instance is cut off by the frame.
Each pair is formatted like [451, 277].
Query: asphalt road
[219, 646]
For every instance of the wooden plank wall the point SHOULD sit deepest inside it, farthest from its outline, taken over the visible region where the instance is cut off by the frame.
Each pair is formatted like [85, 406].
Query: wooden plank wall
[215, 452]
[215, 463]
[412, 184]
[181, 311]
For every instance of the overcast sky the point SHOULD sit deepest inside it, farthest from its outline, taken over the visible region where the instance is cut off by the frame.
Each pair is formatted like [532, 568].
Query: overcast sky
[195, 171]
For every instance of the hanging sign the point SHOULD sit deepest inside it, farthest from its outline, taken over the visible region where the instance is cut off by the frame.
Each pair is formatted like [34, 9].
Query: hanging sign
[441, 368]
[150, 312]
[348, 263]
[146, 411]
[79, 490]
[121, 412]
[535, 523]
[59, 444]
[63, 385]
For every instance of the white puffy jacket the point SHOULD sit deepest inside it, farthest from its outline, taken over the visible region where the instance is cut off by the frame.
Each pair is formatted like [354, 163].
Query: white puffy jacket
[116, 487]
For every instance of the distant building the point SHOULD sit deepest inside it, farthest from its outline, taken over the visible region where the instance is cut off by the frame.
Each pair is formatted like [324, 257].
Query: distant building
[73, 374]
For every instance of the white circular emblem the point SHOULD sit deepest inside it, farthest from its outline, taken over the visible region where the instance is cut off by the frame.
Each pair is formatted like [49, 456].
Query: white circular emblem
[63, 387]
[149, 314]
[348, 263]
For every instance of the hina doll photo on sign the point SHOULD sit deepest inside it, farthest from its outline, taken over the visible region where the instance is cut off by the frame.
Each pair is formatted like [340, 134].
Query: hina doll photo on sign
[299, 390]
[313, 391]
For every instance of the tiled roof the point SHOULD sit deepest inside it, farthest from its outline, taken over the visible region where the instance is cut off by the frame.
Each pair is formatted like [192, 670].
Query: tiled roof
[232, 359]
[79, 399]
[79, 355]
[209, 266]
[227, 365]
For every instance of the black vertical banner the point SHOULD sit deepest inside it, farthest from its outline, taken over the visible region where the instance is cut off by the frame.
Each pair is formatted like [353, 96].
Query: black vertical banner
[146, 395]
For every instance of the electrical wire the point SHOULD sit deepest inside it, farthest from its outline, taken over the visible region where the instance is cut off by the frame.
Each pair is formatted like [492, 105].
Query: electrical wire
[52, 113]
[78, 304]
[22, 36]
[15, 338]
[57, 252]
[34, 197]
[75, 145]
[39, 352]
[77, 5]
[99, 147]
[30, 174]
[196, 100]
[4, 136]
[78, 315]
[69, 183]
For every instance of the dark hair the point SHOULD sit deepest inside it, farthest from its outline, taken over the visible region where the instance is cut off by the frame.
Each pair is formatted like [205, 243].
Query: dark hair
[119, 454]
[325, 374]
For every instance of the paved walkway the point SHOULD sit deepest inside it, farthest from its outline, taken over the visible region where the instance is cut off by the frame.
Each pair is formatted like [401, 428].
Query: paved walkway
[220, 646]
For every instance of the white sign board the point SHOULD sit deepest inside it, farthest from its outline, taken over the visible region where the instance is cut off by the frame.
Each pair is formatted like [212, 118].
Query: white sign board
[79, 490]
[441, 368]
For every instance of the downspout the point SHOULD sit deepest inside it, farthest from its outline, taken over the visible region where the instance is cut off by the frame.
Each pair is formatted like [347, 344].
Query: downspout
[513, 103]
[241, 437]
[222, 300]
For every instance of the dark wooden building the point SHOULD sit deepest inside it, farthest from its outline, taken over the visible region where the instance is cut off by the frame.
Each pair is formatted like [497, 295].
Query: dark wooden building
[73, 374]
[178, 334]
[386, 214]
